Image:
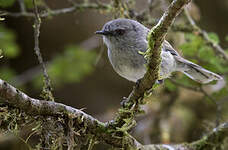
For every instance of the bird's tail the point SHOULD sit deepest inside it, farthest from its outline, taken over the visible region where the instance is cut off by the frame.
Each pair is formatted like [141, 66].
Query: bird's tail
[196, 72]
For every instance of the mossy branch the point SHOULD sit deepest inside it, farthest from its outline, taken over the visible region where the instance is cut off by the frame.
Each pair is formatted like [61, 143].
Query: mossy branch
[212, 141]
[99, 130]
[31, 106]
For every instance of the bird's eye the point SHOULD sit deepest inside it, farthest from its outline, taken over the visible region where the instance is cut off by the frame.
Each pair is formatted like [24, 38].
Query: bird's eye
[120, 31]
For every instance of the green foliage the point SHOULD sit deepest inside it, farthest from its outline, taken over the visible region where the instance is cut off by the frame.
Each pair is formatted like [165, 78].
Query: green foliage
[6, 3]
[199, 52]
[8, 43]
[71, 66]
[29, 3]
[214, 37]
[226, 38]
[190, 47]
[170, 86]
[8, 49]
[221, 93]
[7, 73]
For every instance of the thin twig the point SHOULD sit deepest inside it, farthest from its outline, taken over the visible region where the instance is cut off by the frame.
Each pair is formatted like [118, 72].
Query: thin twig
[22, 6]
[214, 101]
[28, 75]
[143, 17]
[47, 82]
[58, 11]
[201, 90]
[211, 141]
[217, 48]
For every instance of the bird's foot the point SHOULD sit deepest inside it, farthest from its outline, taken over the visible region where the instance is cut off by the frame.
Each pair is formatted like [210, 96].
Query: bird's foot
[124, 101]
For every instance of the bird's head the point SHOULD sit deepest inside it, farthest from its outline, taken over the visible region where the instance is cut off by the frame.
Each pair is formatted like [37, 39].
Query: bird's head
[123, 32]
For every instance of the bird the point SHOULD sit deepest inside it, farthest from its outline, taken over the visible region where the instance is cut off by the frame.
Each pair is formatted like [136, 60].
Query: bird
[126, 40]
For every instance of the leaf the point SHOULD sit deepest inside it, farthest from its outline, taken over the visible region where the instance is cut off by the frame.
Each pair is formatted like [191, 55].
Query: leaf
[11, 50]
[7, 73]
[192, 45]
[8, 43]
[71, 66]
[29, 3]
[170, 86]
[214, 37]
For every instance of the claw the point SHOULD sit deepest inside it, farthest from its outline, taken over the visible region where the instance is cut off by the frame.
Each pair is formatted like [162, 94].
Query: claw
[123, 102]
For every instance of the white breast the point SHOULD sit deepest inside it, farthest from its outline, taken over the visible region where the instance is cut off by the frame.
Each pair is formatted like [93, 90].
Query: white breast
[168, 64]
[125, 70]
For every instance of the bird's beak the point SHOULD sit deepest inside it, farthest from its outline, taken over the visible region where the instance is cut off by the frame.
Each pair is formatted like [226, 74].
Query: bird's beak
[102, 32]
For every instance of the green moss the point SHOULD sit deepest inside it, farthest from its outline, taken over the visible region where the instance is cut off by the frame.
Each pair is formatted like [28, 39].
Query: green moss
[151, 42]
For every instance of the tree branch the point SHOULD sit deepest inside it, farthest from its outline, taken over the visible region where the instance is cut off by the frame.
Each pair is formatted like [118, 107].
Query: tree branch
[56, 12]
[22, 6]
[211, 141]
[32, 106]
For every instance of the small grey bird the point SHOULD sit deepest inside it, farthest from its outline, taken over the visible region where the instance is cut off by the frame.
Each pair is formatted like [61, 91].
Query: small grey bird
[125, 38]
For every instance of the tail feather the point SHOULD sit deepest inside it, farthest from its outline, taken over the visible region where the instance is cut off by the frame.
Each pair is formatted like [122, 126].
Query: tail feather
[196, 72]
